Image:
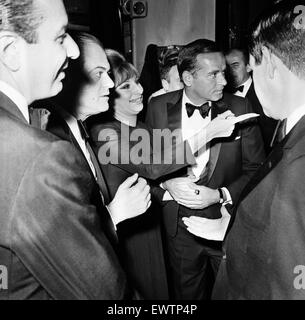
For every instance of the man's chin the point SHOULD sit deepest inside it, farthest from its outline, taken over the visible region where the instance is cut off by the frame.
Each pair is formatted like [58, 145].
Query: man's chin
[217, 96]
[104, 108]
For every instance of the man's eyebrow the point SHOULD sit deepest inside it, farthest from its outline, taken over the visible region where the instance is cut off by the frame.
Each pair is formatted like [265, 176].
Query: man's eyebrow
[217, 70]
[62, 31]
[99, 67]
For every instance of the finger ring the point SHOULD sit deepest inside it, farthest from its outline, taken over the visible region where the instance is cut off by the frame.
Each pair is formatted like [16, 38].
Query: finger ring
[197, 192]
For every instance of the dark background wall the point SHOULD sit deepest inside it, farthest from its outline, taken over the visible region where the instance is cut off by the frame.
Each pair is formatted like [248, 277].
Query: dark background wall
[168, 22]
[100, 17]
[234, 18]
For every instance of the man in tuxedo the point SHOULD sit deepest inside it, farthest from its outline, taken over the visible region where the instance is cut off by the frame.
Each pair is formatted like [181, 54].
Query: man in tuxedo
[221, 171]
[240, 83]
[53, 226]
[265, 247]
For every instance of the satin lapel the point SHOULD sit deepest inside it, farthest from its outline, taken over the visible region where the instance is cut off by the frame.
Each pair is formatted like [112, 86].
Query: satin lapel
[59, 127]
[174, 113]
[275, 157]
[215, 146]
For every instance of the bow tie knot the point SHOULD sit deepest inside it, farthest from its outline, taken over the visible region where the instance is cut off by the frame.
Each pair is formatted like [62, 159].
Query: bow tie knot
[203, 109]
[240, 89]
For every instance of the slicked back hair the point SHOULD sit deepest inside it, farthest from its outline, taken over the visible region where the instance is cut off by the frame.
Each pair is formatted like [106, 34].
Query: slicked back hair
[187, 58]
[276, 30]
[21, 17]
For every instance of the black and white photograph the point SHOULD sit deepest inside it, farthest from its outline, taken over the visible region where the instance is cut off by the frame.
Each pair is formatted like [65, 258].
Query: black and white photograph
[152, 153]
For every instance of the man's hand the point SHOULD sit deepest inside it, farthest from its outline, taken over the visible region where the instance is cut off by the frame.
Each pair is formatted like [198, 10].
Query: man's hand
[180, 188]
[131, 199]
[214, 230]
[222, 126]
[185, 192]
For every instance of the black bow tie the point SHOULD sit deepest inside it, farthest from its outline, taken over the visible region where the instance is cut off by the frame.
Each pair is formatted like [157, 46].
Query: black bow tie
[240, 89]
[204, 109]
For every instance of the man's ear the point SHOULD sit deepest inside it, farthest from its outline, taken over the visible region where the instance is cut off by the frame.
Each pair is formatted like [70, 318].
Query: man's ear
[165, 85]
[248, 68]
[187, 78]
[10, 47]
[270, 63]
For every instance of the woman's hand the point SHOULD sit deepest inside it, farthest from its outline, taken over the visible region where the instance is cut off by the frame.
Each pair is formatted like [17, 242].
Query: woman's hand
[131, 199]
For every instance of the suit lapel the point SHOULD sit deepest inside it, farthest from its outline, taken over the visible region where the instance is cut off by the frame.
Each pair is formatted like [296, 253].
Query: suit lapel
[174, 112]
[7, 104]
[59, 127]
[275, 157]
[215, 146]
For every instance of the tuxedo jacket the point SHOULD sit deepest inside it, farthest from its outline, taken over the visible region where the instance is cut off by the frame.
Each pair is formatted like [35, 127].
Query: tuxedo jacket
[177, 156]
[266, 124]
[59, 127]
[51, 238]
[232, 161]
[265, 247]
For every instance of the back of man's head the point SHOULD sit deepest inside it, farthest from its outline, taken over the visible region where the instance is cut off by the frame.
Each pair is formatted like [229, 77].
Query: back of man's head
[187, 58]
[20, 16]
[282, 31]
[168, 61]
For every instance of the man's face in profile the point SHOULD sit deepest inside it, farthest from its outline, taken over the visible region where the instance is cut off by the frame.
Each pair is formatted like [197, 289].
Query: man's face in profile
[94, 93]
[46, 60]
[208, 80]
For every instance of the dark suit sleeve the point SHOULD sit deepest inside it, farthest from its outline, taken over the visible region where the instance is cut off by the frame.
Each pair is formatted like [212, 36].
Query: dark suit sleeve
[288, 225]
[57, 232]
[154, 163]
[253, 155]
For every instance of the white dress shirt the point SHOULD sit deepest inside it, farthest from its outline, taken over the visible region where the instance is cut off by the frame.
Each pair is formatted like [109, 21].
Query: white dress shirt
[294, 118]
[247, 86]
[73, 125]
[189, 127]
[17, 98]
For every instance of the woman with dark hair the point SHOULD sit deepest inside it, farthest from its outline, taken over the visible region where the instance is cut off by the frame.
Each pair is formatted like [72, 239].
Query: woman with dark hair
[140, 238]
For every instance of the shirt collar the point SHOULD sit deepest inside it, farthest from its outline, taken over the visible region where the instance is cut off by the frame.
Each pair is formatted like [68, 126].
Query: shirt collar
[294, 118]
[247, 85]
[17, 98]
[186, 100]
[71, 122]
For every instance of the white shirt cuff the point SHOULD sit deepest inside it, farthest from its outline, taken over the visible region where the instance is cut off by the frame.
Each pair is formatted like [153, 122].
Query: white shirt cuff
[167, 196]
[228, 196]
[114, 225]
